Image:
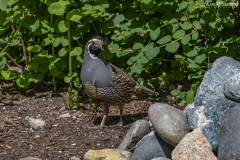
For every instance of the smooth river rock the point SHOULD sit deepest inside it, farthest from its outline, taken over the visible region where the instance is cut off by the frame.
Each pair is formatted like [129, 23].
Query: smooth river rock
[170, 123]
[151, 146]
[138, 130]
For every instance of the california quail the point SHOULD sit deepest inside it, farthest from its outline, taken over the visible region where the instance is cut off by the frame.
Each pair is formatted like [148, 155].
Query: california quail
[105, 83]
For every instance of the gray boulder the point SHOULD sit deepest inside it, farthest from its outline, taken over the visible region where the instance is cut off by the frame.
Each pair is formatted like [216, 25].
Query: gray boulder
[232, 88]
[229, 139]
[138, 130]
[210, 104]
[170, 123]
[151, 146]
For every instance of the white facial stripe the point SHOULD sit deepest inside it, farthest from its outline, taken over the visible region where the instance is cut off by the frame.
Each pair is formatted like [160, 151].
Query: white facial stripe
[91, 55]
[95, 39]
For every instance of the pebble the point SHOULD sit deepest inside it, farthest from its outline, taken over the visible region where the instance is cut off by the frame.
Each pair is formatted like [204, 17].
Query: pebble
[74, 158]
[65, 115]
[170, 123]
[36, 136]
[37, 124]
[63, 109]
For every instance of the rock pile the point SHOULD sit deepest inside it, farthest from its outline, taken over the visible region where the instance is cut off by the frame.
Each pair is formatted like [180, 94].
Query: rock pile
[208, 128]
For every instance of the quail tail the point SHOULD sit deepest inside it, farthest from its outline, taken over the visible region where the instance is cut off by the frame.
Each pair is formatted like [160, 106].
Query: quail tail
[142, 89]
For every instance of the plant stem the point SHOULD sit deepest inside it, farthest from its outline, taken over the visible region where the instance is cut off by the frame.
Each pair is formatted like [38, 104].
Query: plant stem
[70, 103]
[54, 79]
[94, 28]
[24, 49]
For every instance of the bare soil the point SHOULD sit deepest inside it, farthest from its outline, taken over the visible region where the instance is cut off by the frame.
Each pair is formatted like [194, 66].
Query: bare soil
[65, 135]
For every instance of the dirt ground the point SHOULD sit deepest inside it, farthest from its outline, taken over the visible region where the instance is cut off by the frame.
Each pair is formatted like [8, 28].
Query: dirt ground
[66, 135]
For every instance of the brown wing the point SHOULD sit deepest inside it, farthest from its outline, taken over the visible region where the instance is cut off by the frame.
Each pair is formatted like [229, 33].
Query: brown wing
[123, 83]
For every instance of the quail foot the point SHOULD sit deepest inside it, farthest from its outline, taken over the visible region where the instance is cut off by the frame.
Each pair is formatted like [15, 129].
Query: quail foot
[105, 83]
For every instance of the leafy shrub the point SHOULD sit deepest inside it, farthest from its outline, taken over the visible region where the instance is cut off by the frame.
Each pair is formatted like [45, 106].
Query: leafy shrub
[152, 40]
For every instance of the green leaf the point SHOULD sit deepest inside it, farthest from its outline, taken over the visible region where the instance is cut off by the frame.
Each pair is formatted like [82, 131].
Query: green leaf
[62, 52]
[34, 48]
[87, 7]
[118, 19]
[23, 81]
[2, 54]
[64, 41]
[178, 34]
[133, 59]
[46, 41]
[192, 53]
[76, 51]
[193, 66]
[164, 39]
[191, 7]
[143, 59]
[138, 46]
[186, 25]
[152, 52]
[67, 79]
[57, 8]
[185, 40]
[172, 47]
[99, 7]
[113, 47]
[184, 18]
[57, 41]
[200, 58]
[137, 68]
[182, 5]
[5, 74]
[197, 25]
[3, 4]
[32, 23]
[154, 34]
[190, 96]
[174, 92]
[63, 26]
[74, 15]
[181, 95]
[54, 70]
[195, 35]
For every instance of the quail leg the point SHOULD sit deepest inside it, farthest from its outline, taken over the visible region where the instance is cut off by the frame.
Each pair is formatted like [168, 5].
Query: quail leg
[105, 113]
[120, 124]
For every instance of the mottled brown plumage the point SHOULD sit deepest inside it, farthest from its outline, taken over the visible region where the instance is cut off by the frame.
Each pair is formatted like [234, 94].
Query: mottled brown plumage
[105, 83]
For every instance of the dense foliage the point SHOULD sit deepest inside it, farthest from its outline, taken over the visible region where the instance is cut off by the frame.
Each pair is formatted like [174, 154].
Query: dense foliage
[152, 40]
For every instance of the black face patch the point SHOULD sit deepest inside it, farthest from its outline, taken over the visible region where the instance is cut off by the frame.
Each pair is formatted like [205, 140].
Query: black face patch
[94, 49]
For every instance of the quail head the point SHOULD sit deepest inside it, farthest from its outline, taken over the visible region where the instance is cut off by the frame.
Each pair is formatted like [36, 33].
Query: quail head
[105, 83]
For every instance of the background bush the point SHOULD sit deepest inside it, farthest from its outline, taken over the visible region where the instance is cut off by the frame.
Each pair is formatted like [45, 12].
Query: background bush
[154, 41]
